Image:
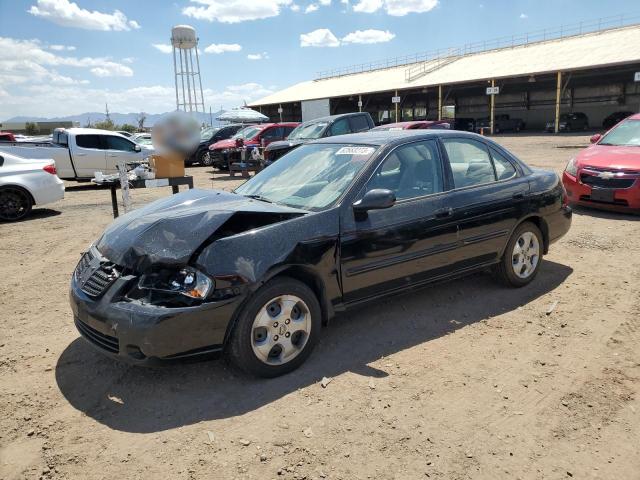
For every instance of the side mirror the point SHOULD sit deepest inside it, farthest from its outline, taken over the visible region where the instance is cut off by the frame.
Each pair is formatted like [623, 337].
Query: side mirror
[595, 138]
[137, 148]
[376, 199]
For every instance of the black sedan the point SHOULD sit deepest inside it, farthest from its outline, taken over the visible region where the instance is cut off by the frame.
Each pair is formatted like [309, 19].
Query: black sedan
[332, 224]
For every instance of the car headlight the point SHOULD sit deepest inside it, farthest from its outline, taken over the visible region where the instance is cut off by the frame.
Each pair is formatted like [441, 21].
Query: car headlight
[186, 281]
[572, 167]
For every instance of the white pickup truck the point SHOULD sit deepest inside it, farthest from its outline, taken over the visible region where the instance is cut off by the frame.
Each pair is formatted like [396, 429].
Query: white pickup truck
[80, 152]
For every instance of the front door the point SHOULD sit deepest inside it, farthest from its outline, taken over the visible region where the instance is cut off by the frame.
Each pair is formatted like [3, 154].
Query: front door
[119, 149]
[408, 243]
[89, 155]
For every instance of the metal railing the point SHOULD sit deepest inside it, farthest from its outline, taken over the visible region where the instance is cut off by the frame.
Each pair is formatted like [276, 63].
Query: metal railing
[545, 35]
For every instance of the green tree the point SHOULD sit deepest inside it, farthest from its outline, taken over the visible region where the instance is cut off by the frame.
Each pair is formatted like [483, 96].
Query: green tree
[105, 125]
[31, 128]
[128, 128]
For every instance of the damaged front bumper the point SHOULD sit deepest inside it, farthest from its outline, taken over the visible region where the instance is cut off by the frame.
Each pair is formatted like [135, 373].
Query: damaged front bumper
[146, 334]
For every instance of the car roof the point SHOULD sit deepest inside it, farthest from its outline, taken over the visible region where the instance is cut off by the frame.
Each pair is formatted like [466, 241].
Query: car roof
[90, 131]
[634, 117]
[332, 118]
[394, 137]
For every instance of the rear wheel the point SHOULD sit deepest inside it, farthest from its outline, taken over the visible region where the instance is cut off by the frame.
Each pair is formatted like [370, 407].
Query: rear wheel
[522, 257]
[205, 158]
[15, 204]
[277, 329]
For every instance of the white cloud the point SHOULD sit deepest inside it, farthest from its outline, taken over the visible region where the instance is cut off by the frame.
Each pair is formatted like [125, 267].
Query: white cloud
[367, 6]
[69, 14]
[324, 3]
[163, 47]
[524, 15]
[61, 48]
[295, 7]
[369, 36]
[28, 62]
[114, 70]
[223, 47]
[49, 100]
[258, 56]
[396, 8]
[322, 37]
[234, 11]
[312, 7]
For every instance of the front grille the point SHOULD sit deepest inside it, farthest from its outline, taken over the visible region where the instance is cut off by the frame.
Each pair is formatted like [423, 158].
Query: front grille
[83, 264]
[100, 280]
[615, 182]
[106, 342]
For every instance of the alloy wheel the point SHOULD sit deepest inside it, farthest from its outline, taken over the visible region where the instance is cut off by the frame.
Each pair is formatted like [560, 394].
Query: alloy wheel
[14, 204]
[526, 255]
[281, 329]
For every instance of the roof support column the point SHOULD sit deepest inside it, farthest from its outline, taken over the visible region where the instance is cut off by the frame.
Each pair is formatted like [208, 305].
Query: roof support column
[439, 102]
[493, 108]
[359, 103]
[556, 128]
[397, 120]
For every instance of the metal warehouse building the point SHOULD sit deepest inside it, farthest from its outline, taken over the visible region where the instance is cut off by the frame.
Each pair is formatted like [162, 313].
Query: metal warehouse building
[591, 68]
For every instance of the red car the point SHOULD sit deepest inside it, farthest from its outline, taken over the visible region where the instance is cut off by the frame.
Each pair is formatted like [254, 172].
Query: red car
[415, 125]
[7, 137]
[607, 174]
[226, 151]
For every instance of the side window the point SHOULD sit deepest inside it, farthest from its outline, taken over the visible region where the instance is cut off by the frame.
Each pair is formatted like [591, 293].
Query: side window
[504, 168]
[89, 141]
[287, 131]
[410, 171]
[470, 162]
[359, 123]
[1, 160]
[118, 143]
[272, 133]
[340, 127]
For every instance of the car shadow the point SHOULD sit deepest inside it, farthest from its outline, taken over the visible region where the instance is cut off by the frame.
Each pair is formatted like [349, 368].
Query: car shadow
[605, 214]
[144, 400]
[35, 214]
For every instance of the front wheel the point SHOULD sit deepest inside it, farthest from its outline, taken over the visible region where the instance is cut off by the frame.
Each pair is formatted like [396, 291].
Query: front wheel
[522, 257]
[277, 329]
[15, 204]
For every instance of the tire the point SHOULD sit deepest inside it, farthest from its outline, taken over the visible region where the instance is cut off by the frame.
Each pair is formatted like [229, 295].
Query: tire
[205, 158]
[15, 204]
[276, 330]
[506, 270]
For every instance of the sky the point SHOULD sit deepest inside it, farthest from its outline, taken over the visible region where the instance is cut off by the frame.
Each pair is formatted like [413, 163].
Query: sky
[64, 57]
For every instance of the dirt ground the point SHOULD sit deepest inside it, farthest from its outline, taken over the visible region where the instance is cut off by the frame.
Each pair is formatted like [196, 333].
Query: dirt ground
[461, 380]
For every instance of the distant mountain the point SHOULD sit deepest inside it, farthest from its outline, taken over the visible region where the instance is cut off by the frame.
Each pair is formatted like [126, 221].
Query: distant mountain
[118, 118]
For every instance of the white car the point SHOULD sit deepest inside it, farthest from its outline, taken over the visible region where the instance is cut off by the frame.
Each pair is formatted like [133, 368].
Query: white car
[25, 182]
[80, 152]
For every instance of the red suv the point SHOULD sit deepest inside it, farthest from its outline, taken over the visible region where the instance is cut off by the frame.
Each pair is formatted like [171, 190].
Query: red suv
[227, 151]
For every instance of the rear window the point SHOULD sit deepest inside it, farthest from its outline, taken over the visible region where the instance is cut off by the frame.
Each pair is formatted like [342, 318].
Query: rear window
[89, 141]
[359, 123]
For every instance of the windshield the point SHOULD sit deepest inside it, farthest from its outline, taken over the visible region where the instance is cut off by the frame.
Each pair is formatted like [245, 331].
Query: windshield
[625, 134]
[144, 141]
[307, 131]
[207, 133]
[247, 132]
[311, 177]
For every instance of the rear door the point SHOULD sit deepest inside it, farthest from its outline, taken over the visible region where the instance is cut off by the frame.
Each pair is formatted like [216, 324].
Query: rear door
[489, 196]
[119, 149]
[89, 156]
[406, 244]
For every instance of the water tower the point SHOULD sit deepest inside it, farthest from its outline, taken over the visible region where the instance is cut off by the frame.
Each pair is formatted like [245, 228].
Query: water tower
[189, 96]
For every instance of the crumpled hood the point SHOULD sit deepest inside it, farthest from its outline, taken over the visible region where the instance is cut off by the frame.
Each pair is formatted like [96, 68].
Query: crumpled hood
[284, 144]
[169, 231]
[610, 156]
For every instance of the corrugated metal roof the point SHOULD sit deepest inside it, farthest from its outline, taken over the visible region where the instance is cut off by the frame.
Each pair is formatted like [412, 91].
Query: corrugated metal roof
[593, 50]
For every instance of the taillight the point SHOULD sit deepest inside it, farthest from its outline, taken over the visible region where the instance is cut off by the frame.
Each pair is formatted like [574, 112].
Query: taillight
[51, 168]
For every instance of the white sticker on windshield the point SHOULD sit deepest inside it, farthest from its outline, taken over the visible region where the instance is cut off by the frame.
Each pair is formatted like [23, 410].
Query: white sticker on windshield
[355, 151]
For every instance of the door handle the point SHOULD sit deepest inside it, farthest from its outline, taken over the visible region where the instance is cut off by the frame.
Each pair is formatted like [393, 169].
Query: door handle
[81, 154]
[444, 212]
[518, 196]
[113, 155]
